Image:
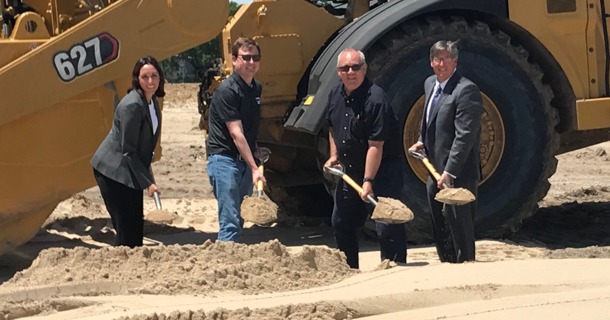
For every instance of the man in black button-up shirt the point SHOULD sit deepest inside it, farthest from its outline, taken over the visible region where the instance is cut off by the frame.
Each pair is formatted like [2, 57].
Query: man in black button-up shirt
[364, 138]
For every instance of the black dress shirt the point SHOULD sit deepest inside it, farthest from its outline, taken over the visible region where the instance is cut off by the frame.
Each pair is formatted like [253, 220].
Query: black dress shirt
[362, 116]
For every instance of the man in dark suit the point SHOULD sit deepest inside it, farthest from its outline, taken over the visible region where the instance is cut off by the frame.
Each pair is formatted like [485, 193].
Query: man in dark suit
[450, 134]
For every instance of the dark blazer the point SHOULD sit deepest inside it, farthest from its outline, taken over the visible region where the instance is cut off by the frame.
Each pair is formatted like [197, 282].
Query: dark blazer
[127, 151]
[451, 137]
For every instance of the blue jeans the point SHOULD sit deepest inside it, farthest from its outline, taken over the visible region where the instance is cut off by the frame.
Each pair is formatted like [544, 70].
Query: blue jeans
[231, 180]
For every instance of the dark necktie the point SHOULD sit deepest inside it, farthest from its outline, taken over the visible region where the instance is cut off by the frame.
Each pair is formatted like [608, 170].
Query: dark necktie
[435, 97]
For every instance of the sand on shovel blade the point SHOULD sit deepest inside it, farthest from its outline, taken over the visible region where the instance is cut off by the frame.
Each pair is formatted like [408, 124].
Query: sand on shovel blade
[160, 216]
[454, 196]
[390, 210]
[258, 210]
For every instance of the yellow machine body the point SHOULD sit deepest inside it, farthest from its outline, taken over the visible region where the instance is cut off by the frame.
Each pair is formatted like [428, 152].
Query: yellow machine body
[63, 68]
[562, 46]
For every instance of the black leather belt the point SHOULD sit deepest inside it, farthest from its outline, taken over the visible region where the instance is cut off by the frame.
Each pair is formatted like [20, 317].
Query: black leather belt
[231, 155]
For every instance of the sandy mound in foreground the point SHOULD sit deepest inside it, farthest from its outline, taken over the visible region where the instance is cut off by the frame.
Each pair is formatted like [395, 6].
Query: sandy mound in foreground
[188, 269]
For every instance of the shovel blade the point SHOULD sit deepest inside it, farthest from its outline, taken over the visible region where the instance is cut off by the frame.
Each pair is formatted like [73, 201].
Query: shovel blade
[457, 196]
[391, 211]
[260, 211]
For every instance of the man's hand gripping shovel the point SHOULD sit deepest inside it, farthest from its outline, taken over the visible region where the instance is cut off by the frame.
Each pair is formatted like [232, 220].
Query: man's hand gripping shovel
[447, 195]
[262, 154]
[260, 209]
[386, 210]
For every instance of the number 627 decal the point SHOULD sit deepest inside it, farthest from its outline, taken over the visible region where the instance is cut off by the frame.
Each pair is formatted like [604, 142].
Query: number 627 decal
[86, 56]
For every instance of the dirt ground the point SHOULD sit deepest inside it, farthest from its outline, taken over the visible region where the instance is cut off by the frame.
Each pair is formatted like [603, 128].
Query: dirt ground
[289, 270]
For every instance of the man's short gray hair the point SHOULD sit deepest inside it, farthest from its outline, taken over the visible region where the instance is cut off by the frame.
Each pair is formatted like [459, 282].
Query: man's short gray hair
[445, 45]
[360, 53]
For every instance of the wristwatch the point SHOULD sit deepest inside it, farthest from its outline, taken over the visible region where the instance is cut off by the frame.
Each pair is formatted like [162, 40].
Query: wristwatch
[371, 180]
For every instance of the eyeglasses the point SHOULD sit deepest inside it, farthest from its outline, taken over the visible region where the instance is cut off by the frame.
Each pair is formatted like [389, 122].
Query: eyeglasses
[247, 57]
[439, 59]
[355, 67]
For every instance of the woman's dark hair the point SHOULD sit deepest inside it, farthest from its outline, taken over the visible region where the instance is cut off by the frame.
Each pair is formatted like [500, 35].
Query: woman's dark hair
[135, 83]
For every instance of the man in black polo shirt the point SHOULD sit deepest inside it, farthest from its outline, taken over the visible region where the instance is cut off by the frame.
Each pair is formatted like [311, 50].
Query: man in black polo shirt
[233, 127]
[364, 138]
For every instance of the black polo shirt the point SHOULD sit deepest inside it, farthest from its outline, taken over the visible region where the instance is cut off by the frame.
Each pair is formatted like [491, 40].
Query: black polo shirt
[233, 100]
[362, 116]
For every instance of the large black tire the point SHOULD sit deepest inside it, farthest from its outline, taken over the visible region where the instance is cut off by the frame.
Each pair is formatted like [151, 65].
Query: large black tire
[300, 189]
[519, 138]
[310, 200]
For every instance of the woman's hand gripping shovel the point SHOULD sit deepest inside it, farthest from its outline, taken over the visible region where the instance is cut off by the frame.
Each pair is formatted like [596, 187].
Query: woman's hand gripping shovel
[260, 209]
[447, 195]
[159, 215]
[157, 200]
[386, 209]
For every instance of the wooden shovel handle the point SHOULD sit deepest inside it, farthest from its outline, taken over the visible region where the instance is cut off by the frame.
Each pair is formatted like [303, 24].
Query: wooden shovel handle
[357, 187]
[259, 183]
[431, 169]
[352, 183]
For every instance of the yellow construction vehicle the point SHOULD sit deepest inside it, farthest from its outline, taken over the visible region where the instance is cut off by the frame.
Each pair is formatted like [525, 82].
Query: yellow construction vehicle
[63, 66]
[542, 67]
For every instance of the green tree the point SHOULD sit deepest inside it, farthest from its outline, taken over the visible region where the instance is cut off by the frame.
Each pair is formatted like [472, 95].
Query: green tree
[195, 60]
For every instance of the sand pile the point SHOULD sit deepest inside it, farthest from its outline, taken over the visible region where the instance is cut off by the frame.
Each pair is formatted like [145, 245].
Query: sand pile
[457, 196]
[258, 210]
[390, 210]
[189, 269]
[320, 311]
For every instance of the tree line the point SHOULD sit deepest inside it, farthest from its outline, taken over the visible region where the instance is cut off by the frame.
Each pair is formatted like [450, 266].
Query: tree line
[188, 65]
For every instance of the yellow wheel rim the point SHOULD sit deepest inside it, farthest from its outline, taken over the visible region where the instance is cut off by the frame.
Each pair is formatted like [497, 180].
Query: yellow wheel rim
[491, 145]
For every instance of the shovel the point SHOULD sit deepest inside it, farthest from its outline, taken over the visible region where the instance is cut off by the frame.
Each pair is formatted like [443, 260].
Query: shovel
[159, 215]
[260, 209]
[157, 200]
[446, 195]
[262, 154]
[386, 210]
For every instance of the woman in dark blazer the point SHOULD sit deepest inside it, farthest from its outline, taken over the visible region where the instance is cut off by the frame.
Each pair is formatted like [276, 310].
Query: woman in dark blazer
[121, 164]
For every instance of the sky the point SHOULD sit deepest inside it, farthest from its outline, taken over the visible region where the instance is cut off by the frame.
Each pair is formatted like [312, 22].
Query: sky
[241, 1]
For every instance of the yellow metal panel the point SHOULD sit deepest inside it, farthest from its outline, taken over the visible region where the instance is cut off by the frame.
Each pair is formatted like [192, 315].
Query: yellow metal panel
[284, 37]
[12, 50]
[308, 100]
[46, 154]
[43, 8]
[593, 113]
[18, 227]
[292, 63]
[29, 26]
[280, 69]
[52, 118]
[596, 54]
[562, 35]
[140, 27]
[62, 13]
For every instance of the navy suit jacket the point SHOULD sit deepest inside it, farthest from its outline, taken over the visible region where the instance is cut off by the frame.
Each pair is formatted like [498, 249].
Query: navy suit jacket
[126, 153]
[451, 136]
